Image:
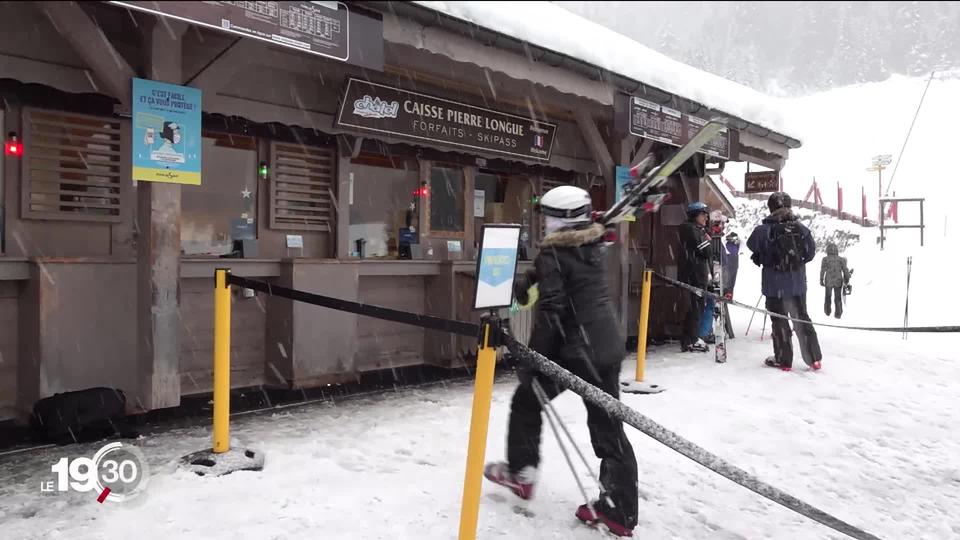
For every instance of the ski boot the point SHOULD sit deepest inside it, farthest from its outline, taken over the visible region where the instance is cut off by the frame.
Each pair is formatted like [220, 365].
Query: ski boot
[699, 346]
[772, 362]
[593, 515]
[816, 366]
[520, 483]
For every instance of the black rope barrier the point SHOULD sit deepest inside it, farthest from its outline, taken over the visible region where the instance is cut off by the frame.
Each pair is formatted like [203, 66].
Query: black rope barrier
[717, 297]
[459, 328]
[566, 379]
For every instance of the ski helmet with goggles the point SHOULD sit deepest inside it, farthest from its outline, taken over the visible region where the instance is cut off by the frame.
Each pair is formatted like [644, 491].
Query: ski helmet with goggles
[569, 203]
[779, 200]
[694, 209]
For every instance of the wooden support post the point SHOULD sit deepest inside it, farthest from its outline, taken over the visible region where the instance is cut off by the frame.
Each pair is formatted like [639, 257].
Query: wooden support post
[89, 42]
[158, 248]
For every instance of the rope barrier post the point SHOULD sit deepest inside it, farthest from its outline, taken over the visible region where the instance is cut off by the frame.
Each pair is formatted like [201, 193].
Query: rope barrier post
[220, 459]
[221, 362]
[479, 421]
[638, 386]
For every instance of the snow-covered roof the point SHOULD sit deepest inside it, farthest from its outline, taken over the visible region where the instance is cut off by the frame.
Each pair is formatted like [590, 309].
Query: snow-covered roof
[549, 26]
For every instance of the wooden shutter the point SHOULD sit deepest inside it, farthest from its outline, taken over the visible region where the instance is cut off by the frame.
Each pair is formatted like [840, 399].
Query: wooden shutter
[302, 190]
[72, 167]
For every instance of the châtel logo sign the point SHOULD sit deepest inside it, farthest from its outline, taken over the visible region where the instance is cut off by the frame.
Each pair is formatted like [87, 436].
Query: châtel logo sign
[409, 115]
[368, 107]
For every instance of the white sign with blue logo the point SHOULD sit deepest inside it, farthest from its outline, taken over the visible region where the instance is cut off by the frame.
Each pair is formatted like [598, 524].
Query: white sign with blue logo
[496, 266]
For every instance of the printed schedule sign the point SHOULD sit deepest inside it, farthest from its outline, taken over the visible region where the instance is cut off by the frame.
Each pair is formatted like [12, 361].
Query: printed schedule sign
[496, 266]
[166, 140]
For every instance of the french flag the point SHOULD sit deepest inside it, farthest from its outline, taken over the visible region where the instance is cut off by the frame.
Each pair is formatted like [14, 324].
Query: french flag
[538, 140]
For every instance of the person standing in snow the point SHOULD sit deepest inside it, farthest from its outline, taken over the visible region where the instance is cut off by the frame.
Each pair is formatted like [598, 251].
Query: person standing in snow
[696, 255]
[731, 264]
[783, 247]
[834, 276]
[576, 327]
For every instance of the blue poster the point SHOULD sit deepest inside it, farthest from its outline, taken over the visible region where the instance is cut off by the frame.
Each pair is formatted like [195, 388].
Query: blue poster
[166, 132]
[624, 178]
[496, 265]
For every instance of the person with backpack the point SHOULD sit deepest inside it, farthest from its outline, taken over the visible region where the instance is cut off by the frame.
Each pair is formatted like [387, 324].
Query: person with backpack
[834, 277]
[575, 326]
[696, 254]
[783, 246]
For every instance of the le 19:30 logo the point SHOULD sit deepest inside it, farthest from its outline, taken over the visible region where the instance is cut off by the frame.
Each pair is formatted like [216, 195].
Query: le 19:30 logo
[117, 472]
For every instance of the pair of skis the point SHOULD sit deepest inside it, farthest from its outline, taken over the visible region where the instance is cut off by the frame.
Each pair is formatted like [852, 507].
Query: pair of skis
[719, 322]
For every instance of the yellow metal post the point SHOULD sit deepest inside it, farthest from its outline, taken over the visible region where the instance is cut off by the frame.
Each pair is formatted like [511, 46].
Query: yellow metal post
[479, 420]
[221, 363]
[644, 321]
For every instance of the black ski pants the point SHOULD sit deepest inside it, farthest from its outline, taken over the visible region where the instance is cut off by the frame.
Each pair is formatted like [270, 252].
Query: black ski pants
[618, 465]
[691, 324]
[837, 293]
[795, 307]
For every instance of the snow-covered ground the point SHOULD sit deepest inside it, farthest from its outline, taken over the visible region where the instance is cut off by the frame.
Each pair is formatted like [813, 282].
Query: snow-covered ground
[871, 438]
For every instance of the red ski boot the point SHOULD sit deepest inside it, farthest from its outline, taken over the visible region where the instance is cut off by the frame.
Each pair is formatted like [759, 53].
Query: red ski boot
[772, 362]
[593, 516]
[520, 483]
[815, 366]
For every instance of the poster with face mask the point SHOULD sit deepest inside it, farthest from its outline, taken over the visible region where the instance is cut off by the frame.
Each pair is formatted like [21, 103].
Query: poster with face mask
[166, 132]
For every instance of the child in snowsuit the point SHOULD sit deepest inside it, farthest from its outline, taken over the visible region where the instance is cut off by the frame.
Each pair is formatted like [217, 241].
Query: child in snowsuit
[834, 275]
[575, 326]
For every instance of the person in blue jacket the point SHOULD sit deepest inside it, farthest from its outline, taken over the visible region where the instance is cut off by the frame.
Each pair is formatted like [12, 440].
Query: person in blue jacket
[783, 246]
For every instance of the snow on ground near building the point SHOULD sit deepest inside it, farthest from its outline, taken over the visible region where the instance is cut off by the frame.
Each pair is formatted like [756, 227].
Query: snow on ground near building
[871, 438]
[554, 28]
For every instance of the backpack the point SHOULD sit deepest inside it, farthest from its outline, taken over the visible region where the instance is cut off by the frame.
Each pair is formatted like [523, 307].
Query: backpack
[789, 249]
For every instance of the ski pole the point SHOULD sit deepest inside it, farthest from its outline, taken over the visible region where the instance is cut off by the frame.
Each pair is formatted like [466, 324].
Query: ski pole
[764, 327]
[752, 315]
[906, 305]
[548, 406]
[544, 403]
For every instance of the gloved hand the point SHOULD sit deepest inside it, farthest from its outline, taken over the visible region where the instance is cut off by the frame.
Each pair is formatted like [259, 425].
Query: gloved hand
[822, 283]
[728, 295]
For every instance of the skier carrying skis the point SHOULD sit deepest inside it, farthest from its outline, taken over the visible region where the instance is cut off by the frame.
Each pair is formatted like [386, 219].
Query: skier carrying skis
[575, 326]
[834, 277]
[694, 269]
[783, 247]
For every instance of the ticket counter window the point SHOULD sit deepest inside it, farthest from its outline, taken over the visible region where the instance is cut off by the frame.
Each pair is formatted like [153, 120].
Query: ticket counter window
[506, 199]
[224, 207]
[383, 205]
[447, 201]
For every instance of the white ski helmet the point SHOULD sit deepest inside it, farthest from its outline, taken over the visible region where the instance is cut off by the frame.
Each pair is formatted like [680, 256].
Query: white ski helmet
[569, 203]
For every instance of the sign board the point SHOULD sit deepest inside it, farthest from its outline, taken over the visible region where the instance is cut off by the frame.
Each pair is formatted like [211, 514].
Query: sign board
[479, 202]
[384, 109]
[761, 182]
[623, 179]
[661, 123]
[496, 266]
[166, 142]
[327, 29]
[294, 241]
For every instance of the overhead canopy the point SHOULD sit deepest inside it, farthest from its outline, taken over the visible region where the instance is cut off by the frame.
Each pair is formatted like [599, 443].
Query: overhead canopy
[561, 38]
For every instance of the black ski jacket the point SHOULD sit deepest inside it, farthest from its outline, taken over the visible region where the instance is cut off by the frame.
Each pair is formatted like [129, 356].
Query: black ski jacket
[695, 255]
[574, 315]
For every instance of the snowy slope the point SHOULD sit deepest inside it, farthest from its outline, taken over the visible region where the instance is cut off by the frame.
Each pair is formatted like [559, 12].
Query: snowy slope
[844, 128]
